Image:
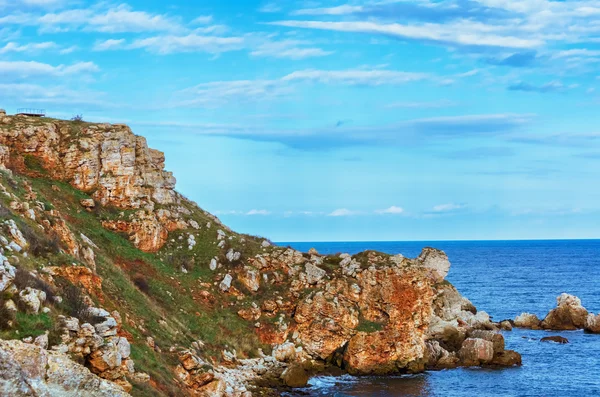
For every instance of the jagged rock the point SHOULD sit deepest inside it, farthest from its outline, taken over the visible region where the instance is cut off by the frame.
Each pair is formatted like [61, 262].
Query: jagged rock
[568, 315]
[250, 278]
[314, 274]
[295, 376]
[285, 352]
[7, 273]
[496, 338]
[592, 324]
[506, 325]
[507, 358]
[32, 299]
[42, 341]
[265, 244]
[557, 339]
[527, 320]
[435, 260]
[30, 370]
[226, 283]
[88, 203]
[233, 256]
[475, 352]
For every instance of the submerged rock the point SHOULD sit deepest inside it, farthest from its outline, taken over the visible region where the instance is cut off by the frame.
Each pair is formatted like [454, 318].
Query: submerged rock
[556, 339]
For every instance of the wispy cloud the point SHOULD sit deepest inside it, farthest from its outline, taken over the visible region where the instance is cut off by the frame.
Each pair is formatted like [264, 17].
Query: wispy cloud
[258, 212]
[423, 105]
[28, 48]
[448, 207]
[342, 212]
[393, 210]
[24, 69]
[290, 49]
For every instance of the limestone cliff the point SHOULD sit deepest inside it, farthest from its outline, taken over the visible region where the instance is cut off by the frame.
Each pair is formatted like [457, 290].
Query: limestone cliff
[101, 259]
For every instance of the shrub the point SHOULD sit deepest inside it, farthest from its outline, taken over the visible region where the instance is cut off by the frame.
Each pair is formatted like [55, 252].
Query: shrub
[24, 279]
[77, 117]
[39, 243]
[6, 317]
[141, 282]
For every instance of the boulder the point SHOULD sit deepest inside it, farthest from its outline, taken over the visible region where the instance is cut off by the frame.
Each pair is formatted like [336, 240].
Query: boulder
[475, 352]
[226, 283]
[30, 299]
[527, 320]
[250, 278]
[496, 338]
[314, 274]
[568, 315]
[295, 376]
[507, 358]
[436, 261]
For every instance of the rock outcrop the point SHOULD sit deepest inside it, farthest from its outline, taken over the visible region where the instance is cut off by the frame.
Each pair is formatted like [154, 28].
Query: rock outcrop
[29, 370]
[107, 160]
[568, 315]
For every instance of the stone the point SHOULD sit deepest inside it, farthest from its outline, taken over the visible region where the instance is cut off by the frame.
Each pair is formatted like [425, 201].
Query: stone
[226, 283]
[7, 273]
[592, 324]
[506, 325]
[30, 370]
[568, 315]
[295, 376]
[436, 261]
[213, 264]
[527, 320]
[314, 274]
[250, 278]
[42, 341]
[496, 338]
[475, 352]
[89, 204]
[233, 256]
[265, 244]
[507, 358]
[285, 352]
[30, 299]
[556, 339]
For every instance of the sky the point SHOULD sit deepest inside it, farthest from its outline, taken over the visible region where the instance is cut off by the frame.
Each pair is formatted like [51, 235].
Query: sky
[338, 120]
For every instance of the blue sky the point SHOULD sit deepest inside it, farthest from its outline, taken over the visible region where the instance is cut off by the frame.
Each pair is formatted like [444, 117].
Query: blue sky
[338, 120]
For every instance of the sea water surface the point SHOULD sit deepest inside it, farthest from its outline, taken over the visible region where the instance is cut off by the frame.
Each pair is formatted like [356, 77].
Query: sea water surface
[503, 278]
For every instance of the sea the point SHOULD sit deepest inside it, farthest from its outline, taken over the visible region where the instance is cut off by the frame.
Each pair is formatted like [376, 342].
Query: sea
[503, 278]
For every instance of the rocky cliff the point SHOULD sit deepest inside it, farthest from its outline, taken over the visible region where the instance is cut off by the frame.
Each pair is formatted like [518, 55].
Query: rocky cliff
[102, 261]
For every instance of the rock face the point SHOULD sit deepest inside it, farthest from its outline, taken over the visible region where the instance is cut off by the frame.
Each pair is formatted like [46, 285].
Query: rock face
[29, 370]
[108, 160]
[568, 315]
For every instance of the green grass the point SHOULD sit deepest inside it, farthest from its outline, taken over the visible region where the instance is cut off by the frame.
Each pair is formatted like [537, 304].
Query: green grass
[369, 326]
[28, 325]
[33, 163]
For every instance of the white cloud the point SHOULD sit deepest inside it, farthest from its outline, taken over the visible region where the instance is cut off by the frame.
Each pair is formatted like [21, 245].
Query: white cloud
[291, 49]
[25, 69]
[258, 212]
[448, 207]
[189, 43]
[465, 33]
[270, 8]
[55, 95]
[356, 76]
[29, 47]
[423, 105]
[109, 44]
[391, 210]
[203, 19]
[339, 10]
[341, 212]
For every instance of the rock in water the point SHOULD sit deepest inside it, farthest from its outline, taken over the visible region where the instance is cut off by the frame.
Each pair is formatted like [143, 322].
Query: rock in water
[475, 351]
[295, 376]
[592, 324]
[527, 320]
[556, 339]
[568, 315]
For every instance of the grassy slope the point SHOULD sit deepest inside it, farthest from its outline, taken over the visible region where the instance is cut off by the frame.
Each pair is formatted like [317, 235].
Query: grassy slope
[170, 295]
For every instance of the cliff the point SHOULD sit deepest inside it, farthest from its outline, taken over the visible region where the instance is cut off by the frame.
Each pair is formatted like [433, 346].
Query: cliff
[102, 260]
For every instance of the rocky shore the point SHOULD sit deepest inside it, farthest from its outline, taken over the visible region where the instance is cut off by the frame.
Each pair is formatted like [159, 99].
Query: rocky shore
[104, 264]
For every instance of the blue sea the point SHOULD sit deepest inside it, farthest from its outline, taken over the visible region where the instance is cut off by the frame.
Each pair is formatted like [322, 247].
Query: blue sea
[503, 278]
